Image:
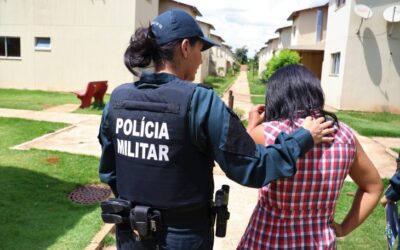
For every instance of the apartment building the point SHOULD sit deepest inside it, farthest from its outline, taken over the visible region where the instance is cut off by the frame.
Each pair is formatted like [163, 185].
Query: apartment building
[284, 37]
[59, 45]
[229, 56]
[308, 36]
[221, 58]
[266, 53]
[262, 60]
[165, 5]
[217, 65]
[361, 69]
[202, 71]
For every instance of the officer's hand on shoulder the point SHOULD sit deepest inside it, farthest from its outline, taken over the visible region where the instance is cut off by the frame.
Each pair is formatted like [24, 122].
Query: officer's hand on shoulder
[319, 129]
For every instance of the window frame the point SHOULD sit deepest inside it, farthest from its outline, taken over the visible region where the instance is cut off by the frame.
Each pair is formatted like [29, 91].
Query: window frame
[6, 56]
[335, 64]
[42, 48]
[319, 23]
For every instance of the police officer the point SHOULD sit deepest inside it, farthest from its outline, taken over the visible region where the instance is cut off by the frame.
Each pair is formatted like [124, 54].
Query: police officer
[161, 135]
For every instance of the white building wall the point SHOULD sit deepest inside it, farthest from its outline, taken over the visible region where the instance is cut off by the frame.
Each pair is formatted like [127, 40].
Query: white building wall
[202, 71]
[285, 36]
[262, 61]
[272, 47]
[372, 72]
[337, 31]
[306, 26]
[88, 40]
[218, 58]
[229, 57]
[369, 77]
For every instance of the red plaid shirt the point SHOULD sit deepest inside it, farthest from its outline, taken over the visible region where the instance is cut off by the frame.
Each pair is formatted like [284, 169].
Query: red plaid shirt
[296, 212]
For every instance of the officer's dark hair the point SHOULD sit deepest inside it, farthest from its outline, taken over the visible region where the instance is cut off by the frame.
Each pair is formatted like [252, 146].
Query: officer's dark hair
[295, 92]
[143, 50]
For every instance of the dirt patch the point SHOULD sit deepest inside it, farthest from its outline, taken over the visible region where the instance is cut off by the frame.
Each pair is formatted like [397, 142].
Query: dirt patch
[53, 160]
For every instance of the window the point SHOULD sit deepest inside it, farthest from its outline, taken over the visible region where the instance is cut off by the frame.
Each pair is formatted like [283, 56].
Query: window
[42, 43]
[320, 19]
[294, 31]
[340, 3]
[10, 46]
[335, 59]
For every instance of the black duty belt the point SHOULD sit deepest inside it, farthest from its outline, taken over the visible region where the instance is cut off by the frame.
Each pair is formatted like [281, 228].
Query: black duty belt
[185, 216]
[146, 221]
[118, 210]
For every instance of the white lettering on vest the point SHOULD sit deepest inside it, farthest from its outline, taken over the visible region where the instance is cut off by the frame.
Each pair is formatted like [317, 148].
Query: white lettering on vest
[163, 153]
[119, 124]
[148, 129]
[149, 134]
[142, 129]
[127, 127]
[147, 152]
[163, 131]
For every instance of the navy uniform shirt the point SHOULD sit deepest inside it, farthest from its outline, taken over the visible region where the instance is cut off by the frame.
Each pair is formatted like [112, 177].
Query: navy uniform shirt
[217, 131]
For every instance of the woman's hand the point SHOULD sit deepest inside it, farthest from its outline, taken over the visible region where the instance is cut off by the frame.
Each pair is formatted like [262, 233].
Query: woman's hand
[338, 229]
[384, 201]
[319, 129]
[256, 116]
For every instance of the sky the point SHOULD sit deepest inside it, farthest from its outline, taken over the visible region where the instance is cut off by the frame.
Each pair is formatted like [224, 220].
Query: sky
[248, 23]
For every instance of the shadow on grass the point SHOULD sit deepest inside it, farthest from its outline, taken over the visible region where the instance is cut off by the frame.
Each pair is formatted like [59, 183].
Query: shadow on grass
[35, 211]
[95, 108]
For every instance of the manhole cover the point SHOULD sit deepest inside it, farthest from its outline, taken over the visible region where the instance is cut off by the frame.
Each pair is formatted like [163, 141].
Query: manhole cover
[90, 194]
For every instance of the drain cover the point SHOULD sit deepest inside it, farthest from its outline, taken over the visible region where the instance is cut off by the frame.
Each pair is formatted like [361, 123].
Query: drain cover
[90, 194]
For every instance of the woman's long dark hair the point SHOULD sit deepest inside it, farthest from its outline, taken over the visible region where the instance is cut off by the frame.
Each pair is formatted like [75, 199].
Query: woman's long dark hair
[295, 92]
[143, 49]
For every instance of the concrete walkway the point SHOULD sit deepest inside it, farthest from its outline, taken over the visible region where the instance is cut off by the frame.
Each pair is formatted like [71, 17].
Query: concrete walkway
[81, 138]
[241, 93]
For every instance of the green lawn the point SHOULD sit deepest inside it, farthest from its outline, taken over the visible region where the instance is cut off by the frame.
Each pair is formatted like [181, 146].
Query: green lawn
[34, 99]
[257, 88]
[220, 84]
[371, 234]
[40, 100]
[35, 211]
[256, 99]
[255, 84]
[372, 124]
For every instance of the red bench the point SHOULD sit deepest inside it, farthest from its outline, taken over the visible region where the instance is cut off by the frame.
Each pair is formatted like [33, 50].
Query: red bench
[95, 89]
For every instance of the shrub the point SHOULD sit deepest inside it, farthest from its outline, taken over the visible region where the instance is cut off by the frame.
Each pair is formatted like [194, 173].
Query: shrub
[283, 58]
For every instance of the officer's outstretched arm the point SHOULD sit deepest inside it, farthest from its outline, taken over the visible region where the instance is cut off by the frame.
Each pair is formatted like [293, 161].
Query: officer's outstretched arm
[217, 130]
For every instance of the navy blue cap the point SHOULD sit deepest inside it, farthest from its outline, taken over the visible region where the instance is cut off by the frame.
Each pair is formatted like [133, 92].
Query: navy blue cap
[176, 24]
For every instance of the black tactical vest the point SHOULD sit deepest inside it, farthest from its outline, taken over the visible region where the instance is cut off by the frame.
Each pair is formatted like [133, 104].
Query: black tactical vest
[156, 163]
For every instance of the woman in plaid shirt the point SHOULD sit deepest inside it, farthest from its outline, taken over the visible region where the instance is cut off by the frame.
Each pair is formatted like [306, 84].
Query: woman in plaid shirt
[297, 212]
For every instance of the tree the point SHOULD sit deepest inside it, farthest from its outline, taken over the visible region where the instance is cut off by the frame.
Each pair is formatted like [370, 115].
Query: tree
[283, 58]
[253, 64]
[241, 54]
